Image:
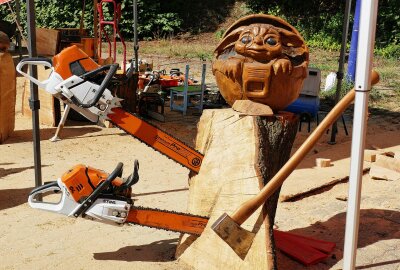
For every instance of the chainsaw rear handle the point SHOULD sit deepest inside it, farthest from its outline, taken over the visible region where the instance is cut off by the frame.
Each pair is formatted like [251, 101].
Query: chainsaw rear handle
[112, 70]
[63, 206]
[87, 203]
[52, 186]
[38, 61]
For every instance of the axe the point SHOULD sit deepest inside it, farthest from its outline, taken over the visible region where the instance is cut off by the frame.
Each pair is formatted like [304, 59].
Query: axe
[228, 227]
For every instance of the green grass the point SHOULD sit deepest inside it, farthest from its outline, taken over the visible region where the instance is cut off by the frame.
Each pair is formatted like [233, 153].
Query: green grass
[178, 48]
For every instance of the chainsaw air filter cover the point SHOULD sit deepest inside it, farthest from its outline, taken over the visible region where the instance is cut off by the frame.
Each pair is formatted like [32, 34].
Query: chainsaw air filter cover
[262, 58]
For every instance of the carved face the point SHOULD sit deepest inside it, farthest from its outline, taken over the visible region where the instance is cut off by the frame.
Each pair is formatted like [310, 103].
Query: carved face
[262, 58]
[259, 41]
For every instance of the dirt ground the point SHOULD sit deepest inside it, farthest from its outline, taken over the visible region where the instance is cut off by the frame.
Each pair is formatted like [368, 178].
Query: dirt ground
[33, 239]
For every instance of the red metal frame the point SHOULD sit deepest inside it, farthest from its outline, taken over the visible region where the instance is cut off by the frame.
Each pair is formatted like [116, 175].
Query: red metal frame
[114, 24]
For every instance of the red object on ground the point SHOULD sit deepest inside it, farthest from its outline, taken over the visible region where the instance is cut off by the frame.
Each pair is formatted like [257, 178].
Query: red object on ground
[169, 82]
[304, 249]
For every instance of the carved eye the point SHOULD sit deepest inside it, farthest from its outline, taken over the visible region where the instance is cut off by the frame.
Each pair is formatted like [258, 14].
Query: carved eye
[271, 41]
[246, 39]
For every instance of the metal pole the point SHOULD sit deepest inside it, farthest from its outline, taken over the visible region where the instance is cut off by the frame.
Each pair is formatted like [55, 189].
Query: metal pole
[351, 67]
[369, 9]
[18, 13]
[34, 102]
[339, 74]
[136, 44]
[95, 29]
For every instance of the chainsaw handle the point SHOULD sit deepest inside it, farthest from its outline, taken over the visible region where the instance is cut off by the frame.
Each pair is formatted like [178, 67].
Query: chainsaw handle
[38, 61]
[112, 70]
[34, 203]
[52, 186]
[87, 203]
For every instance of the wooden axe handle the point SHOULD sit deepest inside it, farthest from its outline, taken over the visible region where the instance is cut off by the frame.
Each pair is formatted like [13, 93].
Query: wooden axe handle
[250, 206]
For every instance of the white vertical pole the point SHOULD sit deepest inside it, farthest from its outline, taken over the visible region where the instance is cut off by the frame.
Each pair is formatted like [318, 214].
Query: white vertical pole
[369, 9]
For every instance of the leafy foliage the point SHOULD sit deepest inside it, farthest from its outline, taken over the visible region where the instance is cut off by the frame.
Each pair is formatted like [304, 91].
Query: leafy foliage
[320, 22]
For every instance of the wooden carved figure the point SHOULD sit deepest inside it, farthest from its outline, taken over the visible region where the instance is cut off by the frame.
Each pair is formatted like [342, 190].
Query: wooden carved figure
[261, 58]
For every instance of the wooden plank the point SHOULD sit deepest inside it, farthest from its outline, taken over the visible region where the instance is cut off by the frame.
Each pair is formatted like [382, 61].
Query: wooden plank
[7, 96]
[308, 178]
[388, 163]
[381, 173]
[249, 107]
[47, 41]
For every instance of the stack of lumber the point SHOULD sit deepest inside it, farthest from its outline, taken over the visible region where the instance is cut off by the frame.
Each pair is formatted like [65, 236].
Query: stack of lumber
[7, 95]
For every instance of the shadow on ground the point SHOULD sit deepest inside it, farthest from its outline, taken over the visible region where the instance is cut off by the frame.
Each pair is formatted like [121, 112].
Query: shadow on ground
[13, 197]
[159, 251]
[20, 136]
[5, 172]
[375, 225]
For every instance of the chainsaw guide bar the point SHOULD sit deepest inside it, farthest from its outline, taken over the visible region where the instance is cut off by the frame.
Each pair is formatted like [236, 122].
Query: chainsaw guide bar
[167, 220]
[157, 139]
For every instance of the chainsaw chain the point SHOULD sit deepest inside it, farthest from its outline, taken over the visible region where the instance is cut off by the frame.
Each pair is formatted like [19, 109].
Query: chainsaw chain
[151, 124]
[165, 211]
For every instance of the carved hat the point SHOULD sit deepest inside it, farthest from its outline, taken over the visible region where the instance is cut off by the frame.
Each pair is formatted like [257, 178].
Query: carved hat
[262, 58]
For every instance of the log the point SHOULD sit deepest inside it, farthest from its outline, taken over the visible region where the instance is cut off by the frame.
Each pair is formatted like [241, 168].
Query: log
[242, 153]
[49, 113]
[7, 96]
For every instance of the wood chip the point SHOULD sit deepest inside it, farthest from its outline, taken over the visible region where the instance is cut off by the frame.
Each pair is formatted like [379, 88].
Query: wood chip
[323, 162]
[370, 155]
[252, 108]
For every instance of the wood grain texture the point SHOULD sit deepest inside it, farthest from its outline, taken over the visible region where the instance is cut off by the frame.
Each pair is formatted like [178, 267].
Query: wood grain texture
[7, 96]
[240, 157]
[249, 107]
[47, 41]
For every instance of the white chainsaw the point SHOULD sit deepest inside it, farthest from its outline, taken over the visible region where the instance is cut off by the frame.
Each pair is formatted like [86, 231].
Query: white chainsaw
[80, 93]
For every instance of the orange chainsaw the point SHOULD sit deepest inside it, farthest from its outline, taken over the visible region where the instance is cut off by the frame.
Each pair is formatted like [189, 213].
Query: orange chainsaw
[81, 84]
[93, 194]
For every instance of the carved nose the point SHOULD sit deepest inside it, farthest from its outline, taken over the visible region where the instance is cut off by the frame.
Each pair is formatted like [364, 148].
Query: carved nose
[258, 40]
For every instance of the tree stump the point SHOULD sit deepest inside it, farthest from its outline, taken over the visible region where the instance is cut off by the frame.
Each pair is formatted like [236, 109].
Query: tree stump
[242, 153]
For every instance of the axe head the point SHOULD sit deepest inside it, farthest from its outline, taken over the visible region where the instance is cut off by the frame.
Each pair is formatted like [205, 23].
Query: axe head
[236, 237]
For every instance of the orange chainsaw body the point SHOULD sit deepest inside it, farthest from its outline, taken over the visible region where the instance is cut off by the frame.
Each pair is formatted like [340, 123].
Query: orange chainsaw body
[81, 181]
[73, 61]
